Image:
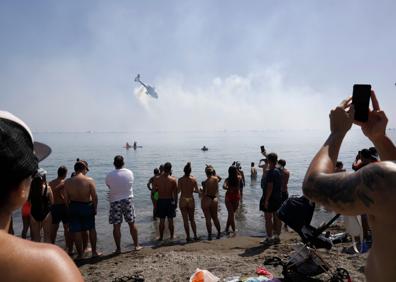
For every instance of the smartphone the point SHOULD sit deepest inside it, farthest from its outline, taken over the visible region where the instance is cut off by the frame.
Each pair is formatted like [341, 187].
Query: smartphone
[360, 100]
[262, 149]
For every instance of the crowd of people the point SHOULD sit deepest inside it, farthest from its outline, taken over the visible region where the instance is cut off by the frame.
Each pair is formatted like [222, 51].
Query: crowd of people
[73, 201]
[369, 191]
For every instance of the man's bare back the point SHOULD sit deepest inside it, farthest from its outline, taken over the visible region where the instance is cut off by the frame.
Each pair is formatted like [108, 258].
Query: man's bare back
[57, 186]
[166, 186]
[79, 188]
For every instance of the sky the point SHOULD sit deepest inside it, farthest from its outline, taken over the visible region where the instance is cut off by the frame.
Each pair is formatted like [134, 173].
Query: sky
[68, 66]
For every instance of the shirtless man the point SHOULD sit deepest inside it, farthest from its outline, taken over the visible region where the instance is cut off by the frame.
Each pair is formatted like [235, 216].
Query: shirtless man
[210, 200]
[81, 198]
[166, 186]
[22, 260]
[370, 190]
[59, 210]
[187, 185]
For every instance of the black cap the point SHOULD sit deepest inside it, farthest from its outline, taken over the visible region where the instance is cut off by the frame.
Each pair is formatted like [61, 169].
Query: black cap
[19, 154]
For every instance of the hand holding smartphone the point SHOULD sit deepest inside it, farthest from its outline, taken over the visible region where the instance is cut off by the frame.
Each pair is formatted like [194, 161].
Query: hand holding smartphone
[361, 100]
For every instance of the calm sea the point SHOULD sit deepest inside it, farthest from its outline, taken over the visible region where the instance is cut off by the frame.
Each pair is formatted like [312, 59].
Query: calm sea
[99, 149]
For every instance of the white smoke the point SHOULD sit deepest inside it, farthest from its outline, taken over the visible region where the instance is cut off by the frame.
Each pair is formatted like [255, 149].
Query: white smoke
[260, 100]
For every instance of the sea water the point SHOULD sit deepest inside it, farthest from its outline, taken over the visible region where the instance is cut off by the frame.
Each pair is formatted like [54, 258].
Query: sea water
[225, 147]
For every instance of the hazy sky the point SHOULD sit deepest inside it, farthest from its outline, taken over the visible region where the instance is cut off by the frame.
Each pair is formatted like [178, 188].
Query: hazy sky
[69, 65]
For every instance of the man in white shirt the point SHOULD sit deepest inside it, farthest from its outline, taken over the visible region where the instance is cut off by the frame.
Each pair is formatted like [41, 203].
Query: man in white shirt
[120, 183]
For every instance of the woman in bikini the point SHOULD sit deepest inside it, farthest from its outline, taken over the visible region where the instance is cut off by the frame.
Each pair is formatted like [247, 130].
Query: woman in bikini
[187, 185]
[41, 198]
[232, 196]
[209, 203]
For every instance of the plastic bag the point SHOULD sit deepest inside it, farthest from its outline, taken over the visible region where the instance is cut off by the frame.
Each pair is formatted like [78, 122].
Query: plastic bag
[202, 275]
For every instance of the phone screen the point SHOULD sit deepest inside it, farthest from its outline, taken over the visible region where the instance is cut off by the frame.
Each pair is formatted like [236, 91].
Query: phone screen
[360, 100]
[262, 148]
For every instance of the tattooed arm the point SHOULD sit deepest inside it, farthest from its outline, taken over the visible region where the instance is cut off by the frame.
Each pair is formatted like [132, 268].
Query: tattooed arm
[346, 193]
[354, 193]
[320, 185]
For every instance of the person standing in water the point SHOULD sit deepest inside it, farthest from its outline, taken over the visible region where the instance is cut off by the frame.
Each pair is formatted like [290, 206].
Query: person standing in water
[210, 200]
[153, 195]
[120, 182]
[232, 196]
[271, 200]
[59, 210]
[166, 186]
[253, 172]
[41, 198]
[187, 185]
[82, 200]
[242, 174]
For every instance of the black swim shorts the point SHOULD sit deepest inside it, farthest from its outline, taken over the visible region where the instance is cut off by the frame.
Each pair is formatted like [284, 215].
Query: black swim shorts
[273, 205]
[60, 213]
[166, 208]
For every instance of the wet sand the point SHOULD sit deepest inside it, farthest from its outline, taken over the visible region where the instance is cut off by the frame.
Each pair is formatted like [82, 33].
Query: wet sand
[237, 256]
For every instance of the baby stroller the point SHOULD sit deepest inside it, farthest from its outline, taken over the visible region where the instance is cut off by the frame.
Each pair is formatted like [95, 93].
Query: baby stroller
[305, 262]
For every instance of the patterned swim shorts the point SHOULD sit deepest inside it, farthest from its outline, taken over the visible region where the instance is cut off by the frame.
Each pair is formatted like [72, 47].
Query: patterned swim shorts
[121, 208]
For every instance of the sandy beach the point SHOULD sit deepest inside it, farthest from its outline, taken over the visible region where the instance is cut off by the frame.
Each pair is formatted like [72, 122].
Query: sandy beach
[237, 256]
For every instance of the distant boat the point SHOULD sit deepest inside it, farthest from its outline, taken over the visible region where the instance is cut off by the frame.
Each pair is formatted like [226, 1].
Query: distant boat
[204, 148]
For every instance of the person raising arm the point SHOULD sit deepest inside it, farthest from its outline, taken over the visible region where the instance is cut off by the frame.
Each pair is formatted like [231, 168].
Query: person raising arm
[371, 190]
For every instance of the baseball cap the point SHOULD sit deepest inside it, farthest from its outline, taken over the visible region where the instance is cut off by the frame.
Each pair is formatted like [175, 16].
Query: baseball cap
[19, 153]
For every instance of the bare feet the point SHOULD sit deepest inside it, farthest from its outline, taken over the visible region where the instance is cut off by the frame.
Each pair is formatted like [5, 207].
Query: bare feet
[138, 248]
[117, 252]
[96, 254]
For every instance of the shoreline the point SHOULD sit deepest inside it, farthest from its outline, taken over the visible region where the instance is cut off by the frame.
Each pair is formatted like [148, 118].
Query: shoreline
[227, 257]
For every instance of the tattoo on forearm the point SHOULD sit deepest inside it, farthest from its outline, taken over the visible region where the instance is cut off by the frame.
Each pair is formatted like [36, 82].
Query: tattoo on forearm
[342, 188]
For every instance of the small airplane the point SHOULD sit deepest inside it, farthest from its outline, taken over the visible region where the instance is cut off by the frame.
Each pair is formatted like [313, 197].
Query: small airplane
[149, 89]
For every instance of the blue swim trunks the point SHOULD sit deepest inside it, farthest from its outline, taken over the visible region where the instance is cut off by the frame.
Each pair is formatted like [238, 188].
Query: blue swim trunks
[82, 216]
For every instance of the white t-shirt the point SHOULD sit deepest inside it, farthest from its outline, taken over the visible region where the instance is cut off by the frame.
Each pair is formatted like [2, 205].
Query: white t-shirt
[120, 183]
